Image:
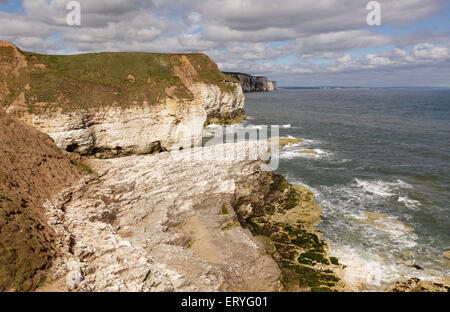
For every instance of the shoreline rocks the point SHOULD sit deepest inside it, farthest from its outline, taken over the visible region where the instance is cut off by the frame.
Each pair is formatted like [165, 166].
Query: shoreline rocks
[284, 217]
[417, 285]
[447, 254]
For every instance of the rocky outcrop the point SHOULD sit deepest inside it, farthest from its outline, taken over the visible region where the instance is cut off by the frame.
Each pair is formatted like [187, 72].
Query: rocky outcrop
[283, 217]
[139, 129]
[417, 285]
[161, 223]
[112, 104]
[173, 223]
[253, 83]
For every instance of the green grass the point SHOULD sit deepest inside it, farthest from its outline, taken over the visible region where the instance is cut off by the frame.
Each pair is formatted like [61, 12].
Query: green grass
[83, 166]
[225, 121]
[225, 210]
[24, 248]
[94, 80]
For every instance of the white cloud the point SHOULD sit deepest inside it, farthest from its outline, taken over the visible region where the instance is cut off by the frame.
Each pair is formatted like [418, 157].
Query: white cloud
[427, 51]
[339, 41]
[236, 33]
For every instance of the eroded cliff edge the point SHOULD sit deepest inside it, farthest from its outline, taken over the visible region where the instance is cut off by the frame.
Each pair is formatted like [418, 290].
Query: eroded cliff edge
[116, 104]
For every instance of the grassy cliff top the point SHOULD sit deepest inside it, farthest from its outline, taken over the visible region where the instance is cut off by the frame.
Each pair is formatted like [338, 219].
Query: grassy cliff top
[92, 80]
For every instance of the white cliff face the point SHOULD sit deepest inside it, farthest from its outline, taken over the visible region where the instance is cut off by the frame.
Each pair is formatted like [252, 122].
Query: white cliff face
[271, 86]
[139, 129]
[160, 223]
[218, 103]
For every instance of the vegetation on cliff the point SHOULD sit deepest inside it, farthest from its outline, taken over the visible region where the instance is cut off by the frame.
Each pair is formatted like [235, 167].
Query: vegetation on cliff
[94, 80]
[283, 216]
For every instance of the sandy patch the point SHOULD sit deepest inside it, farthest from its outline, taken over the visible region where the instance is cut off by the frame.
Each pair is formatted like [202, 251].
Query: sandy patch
[202, 242]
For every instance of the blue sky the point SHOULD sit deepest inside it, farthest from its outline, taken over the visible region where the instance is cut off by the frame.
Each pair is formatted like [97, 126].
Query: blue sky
[296, 42]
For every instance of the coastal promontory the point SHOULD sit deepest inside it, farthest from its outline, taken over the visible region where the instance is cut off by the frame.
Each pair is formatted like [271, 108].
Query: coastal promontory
[104, 203]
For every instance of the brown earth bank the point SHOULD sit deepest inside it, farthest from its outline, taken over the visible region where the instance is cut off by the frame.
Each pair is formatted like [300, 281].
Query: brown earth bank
[32, 170]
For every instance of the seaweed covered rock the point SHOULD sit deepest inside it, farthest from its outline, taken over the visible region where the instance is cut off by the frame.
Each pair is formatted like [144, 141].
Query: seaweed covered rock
[417, 285]
[283, 216]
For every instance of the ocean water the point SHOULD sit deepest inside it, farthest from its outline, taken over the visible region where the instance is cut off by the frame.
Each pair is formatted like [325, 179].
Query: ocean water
[383, 151]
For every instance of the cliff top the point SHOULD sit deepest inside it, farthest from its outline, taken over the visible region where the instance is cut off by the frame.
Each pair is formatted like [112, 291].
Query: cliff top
[37, 82]
[244, 74]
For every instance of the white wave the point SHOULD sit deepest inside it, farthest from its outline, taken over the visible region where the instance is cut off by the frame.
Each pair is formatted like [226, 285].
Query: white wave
[289, 154]
[343, 161]
[286, 126]
[257, 127]
[375, 187]
[382, 188]
[360, 274]
[244, 127]
[409, 203]
[376, 255]
[366, 271]
[390, 225]
[311, 142]
[313, 153]
[213, 126]
[292, 152]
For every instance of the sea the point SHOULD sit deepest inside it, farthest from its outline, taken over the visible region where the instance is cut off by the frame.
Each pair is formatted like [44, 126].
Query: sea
[378, 162]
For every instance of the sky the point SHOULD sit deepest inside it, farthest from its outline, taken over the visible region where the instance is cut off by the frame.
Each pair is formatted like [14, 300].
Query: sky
[295, 42]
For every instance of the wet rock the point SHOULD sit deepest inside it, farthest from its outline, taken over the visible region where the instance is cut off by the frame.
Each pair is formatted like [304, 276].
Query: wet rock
[447, 254]
[417, 285]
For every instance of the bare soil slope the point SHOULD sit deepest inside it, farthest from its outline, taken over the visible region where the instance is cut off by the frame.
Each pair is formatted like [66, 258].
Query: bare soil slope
[32, 169]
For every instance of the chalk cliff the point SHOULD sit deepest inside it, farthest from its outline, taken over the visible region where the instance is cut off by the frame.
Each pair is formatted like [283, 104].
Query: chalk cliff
[162, 222]
[271, 85]
[253, 83]
[112, 104]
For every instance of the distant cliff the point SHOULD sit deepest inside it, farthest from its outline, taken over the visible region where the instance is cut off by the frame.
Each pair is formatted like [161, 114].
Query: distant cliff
[253, 83]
